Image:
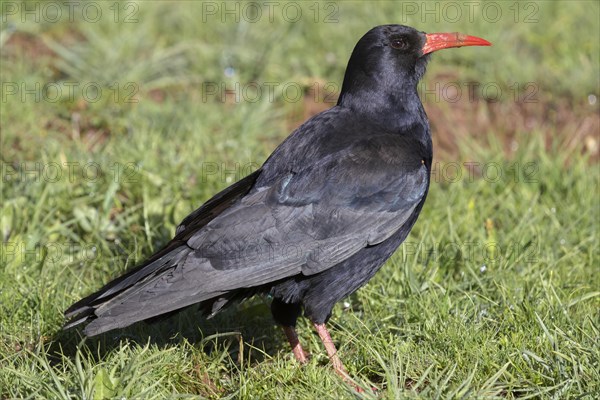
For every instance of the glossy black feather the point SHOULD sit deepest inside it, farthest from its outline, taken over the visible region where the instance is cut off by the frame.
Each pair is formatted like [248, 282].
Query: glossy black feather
[320, 217]
[188, 226]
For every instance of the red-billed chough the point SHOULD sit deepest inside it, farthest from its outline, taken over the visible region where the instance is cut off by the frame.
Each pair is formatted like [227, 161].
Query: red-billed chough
[316, 221]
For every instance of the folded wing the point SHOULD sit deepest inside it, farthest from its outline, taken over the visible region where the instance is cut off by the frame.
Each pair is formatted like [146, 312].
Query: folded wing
[307, 221]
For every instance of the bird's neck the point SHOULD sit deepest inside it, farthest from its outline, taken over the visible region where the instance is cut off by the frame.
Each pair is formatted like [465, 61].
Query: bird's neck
[393, 105]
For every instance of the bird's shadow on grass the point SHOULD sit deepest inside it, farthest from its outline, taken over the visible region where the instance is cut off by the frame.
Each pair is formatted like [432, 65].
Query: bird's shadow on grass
[248, 327]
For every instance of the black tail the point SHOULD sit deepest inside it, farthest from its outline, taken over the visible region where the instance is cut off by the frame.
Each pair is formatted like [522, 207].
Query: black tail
[83, 310]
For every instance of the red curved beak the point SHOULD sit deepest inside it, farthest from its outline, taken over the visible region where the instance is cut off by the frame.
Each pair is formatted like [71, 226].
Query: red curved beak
[438, 41]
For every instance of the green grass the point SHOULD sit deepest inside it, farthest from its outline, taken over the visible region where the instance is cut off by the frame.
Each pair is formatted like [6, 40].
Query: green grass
[495, 293]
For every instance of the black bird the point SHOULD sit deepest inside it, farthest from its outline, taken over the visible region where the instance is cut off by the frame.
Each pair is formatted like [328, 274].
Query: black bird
[316, 221]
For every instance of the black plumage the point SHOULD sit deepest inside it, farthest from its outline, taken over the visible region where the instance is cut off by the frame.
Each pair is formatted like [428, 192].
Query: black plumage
[316, 221]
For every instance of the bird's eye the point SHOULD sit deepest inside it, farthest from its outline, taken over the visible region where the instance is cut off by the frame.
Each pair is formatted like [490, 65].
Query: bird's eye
[399, 43]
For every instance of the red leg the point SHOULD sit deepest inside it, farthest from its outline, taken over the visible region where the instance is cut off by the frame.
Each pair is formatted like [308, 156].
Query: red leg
[332, 353]
[331, 350]
[292, 337]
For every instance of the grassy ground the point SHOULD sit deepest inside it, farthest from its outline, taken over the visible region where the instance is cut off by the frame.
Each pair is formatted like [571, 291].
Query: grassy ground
[495, 293]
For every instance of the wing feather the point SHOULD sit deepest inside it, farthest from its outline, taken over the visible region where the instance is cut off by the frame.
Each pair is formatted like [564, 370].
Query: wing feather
[305, 223]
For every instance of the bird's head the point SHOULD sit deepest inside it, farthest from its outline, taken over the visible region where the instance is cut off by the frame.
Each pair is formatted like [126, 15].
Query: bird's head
[394, 57]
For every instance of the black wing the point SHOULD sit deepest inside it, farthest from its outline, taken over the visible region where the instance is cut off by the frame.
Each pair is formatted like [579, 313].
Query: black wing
[308, 220]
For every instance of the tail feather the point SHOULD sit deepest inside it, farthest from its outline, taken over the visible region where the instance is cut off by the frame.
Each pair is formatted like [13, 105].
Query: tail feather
[84, 310]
